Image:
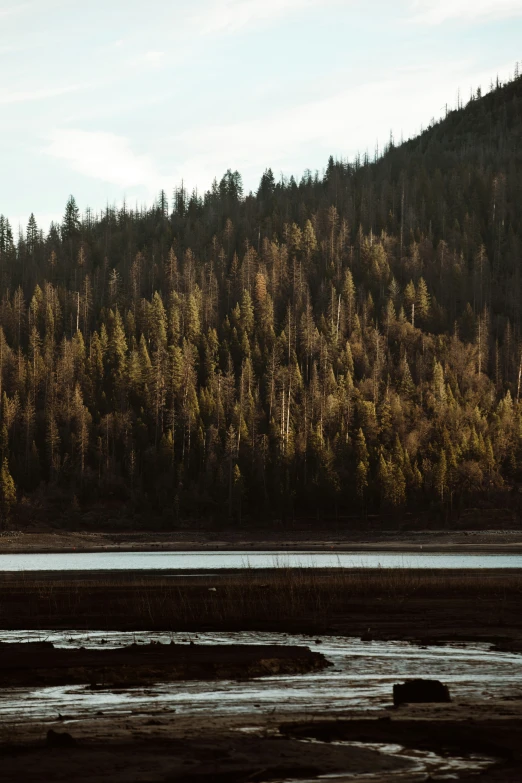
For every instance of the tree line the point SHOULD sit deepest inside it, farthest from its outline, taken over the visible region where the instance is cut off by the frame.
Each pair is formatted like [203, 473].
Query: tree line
[348, 344]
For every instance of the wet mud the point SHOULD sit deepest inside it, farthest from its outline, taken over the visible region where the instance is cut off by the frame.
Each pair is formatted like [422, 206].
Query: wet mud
[226, 758]
[497, 739]
[198, 749]
[42, 664]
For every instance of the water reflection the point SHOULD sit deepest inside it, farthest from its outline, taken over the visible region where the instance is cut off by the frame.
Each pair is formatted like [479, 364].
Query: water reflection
[212, 561]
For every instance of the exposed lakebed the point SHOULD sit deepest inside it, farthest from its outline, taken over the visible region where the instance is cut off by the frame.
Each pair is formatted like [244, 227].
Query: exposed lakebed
[39, 664]
[358, 682]
[361, 677]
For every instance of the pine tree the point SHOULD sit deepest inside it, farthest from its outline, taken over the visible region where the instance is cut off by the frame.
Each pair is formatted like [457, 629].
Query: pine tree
[439, 387]
[410, 297]
[32, 233]
[422, 303]
[309, 240]
[117, 348]
[71, 219]
[361, 480]
[441, 473]
[7, 492]
[6, 236]
[362, 463]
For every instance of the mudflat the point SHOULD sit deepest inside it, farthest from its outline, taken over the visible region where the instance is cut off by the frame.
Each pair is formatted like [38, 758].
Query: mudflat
[161, 747]
[42, 664]
[217, 754]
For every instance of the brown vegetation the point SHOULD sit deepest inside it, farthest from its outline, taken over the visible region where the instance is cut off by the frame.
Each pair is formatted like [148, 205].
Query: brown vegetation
[383, 603]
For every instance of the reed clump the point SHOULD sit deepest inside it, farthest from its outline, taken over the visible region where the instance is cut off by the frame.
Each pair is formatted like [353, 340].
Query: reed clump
[244, 599]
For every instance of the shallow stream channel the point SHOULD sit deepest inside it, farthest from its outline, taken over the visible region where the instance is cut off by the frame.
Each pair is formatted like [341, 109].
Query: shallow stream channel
[358, 683]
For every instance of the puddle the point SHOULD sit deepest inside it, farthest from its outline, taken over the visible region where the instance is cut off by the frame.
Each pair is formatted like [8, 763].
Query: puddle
[423, 765]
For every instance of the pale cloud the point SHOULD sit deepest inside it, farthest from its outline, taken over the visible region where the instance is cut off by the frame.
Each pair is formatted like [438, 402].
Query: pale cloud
[23, 96]
[154, 58]
[104, 156]
[341, 124]
[274, 138]
[11, 10]
[344, 122]
[221, 16]
[438, 11]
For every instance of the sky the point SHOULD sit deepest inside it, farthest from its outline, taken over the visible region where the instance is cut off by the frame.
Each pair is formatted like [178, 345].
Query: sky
[114, 100]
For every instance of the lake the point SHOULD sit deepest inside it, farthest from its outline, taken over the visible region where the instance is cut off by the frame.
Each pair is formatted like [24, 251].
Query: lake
[215, 561]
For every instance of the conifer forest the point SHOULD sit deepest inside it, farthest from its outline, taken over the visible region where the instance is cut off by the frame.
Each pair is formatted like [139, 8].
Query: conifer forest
[345, 345]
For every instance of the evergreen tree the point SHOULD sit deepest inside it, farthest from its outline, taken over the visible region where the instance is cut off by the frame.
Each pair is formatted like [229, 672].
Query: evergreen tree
[7, 492]
[254, 355]
[31, 234]
[71, 219]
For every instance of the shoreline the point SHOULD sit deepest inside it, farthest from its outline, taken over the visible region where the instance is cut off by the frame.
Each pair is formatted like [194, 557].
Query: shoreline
[430, 542]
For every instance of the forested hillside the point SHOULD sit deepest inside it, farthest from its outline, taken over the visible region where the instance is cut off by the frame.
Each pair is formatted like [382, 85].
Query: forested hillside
[343, 345]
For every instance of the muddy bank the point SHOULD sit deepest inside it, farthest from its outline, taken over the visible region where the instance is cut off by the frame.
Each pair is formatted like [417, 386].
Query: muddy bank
[218, 759]
[340, 538]
[498, 739]
[41, 664]
[197, 750]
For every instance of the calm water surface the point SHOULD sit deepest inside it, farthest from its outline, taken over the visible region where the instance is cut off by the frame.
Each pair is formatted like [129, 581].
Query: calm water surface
[214, 561]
